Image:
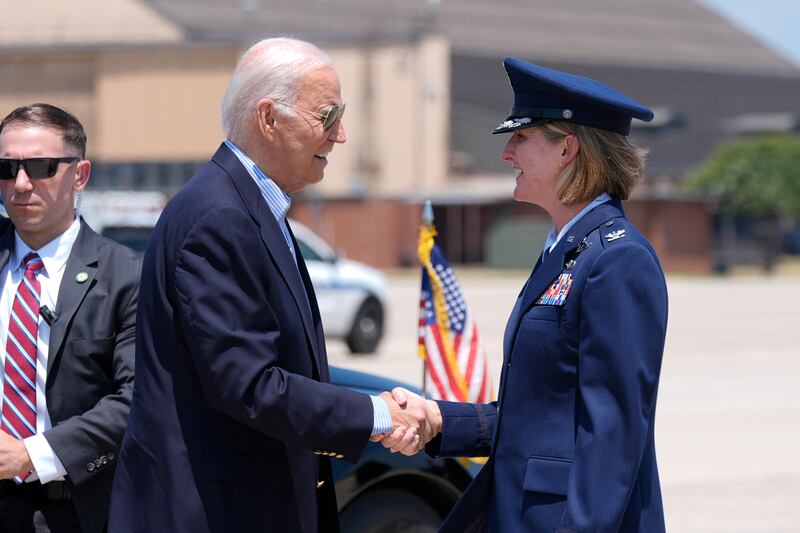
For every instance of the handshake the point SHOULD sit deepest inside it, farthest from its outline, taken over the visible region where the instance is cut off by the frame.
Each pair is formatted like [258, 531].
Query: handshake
[415, 421]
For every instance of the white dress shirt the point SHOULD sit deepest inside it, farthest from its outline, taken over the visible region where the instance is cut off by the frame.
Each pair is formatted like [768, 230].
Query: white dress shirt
[46, 465]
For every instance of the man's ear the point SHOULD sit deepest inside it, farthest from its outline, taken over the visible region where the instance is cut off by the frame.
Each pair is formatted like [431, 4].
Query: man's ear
[265, 116]
[83, 170]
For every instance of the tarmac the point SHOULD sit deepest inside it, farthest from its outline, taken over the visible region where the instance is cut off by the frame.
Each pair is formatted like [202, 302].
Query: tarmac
[728, 419]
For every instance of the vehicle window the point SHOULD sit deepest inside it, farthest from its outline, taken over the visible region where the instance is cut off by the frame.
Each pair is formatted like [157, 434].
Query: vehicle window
[307, 252]
[136, 238]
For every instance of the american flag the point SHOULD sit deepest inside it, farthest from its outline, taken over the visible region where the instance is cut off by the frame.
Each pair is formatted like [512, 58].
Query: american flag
[448, 336]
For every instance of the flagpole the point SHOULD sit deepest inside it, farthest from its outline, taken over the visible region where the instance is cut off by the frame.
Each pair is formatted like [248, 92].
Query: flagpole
[427, 220]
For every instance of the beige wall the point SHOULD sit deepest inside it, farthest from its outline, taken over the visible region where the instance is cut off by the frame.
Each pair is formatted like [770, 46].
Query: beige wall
[396, 121]
[65, 80]
[162, 104]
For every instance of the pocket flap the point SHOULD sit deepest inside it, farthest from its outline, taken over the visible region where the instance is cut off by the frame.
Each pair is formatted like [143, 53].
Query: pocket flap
[544, 312]
[548, 475]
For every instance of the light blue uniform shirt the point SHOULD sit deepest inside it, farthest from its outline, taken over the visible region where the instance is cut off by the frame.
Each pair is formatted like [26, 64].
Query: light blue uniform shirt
[552, 238]
[279, 203]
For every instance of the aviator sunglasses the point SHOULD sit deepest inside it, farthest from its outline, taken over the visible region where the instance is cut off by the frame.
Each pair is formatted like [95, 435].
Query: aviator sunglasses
[328, 118]
[36, 167]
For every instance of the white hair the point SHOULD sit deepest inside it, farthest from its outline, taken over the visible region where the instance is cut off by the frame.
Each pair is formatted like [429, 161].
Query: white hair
[271, 68]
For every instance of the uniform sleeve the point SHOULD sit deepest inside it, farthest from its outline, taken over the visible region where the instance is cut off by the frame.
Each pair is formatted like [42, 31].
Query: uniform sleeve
[622, 330]
[232, 332]
[467, 430]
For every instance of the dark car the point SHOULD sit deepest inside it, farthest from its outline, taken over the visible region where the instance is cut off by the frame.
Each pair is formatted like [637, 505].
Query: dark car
[388, 492]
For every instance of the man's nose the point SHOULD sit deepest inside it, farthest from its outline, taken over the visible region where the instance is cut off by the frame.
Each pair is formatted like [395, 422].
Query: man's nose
[337, 134]
[22, 183]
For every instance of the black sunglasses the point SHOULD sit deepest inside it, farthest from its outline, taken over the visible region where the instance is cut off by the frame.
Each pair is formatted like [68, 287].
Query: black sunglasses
[36, 167]
[328, 118]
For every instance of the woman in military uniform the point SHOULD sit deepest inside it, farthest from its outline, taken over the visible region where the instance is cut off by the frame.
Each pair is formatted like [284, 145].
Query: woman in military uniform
[570, 438]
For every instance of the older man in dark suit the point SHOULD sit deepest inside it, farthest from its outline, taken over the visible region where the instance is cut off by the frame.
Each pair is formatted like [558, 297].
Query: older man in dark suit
[67, 318]
[233, 421]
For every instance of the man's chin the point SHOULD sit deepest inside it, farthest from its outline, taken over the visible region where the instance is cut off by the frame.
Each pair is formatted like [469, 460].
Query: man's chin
[313, 180]
[24, 220]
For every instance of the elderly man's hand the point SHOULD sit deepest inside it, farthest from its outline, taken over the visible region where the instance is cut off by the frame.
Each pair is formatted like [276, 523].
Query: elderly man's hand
[426, 421]
[14, 458]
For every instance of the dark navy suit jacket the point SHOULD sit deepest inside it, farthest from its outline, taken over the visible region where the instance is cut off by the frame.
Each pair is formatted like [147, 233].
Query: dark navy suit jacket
[232, 421]
[570, 439]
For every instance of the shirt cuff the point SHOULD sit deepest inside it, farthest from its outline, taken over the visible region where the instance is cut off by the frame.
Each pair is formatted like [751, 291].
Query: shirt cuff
[46, 464]
[381, 417]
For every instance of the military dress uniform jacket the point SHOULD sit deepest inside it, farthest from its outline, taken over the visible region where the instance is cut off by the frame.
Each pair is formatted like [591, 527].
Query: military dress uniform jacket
[89, 365]
[570, 439]
[232, 422]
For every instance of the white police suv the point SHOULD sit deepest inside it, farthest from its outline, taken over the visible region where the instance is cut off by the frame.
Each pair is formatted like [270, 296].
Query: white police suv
[351, 295]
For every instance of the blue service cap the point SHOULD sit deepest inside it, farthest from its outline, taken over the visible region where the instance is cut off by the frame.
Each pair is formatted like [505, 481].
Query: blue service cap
[542, 94]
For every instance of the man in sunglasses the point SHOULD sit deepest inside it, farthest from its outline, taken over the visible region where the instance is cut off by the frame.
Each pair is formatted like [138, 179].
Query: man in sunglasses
[67, 321]
[233, 421]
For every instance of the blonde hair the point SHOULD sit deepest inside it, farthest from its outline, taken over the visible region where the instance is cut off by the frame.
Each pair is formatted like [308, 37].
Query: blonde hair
[606, 162]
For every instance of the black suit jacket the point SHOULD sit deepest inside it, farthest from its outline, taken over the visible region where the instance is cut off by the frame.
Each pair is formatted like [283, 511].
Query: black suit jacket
[90, 365]
[232, 422]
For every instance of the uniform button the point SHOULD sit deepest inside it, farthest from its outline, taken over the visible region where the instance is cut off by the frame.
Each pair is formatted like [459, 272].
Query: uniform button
[111, 456]
[610, 223]
[319, 484]
[317, 452]
[98, 463]
[339, 456]
[104, 460]
[90, 467]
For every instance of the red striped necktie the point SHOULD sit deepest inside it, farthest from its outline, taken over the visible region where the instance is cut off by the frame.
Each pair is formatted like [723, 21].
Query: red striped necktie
[19, 387]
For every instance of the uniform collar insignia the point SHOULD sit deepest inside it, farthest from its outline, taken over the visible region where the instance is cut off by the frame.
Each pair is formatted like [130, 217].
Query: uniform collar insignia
[614, 235]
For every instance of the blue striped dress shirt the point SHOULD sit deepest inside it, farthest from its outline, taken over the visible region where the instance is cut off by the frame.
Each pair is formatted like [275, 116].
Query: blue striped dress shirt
[279, 203]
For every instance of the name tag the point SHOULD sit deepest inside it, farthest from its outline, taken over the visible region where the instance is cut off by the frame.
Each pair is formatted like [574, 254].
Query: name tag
[558, 291]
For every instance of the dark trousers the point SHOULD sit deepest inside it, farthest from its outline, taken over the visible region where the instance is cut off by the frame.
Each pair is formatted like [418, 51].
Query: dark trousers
[36, 508]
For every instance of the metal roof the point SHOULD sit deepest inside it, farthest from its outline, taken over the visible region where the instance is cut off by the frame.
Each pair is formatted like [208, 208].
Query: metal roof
[656, 33]
[678, 34]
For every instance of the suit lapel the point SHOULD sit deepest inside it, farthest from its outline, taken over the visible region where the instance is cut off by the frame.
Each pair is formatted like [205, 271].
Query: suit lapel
[553, 265]
[322, 357]
[514, 318]
[82, 258]
[272, 236]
